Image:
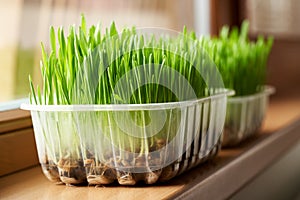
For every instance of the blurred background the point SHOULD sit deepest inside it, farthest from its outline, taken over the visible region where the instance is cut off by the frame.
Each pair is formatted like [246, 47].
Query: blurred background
[25, 23]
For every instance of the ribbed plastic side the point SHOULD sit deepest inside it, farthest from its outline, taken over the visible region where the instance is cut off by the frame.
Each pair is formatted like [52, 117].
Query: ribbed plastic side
[101, 147]
[244, 116]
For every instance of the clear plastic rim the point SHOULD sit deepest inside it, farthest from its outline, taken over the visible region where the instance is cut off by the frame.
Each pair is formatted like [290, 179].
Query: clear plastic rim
[124, 107]
[268, 90]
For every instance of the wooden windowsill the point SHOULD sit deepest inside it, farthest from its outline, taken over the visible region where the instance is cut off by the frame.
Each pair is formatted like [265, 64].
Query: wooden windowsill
[12, 120]
[217, 179]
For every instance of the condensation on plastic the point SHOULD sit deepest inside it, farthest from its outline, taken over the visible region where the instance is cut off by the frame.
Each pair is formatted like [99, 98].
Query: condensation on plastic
[80, 144]
[244, 116]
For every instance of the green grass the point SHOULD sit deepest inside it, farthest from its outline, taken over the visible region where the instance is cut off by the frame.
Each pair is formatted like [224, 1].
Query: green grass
[86, 66]
[241, 62]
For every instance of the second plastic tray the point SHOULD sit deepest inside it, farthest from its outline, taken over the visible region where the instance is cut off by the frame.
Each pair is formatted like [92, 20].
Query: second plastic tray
[244, 116]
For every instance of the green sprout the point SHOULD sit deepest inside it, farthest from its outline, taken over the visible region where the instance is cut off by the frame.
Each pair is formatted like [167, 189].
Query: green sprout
[241, 62]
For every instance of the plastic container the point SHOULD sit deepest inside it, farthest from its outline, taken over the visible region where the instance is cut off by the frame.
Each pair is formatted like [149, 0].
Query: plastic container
[101, 144]
[244, 116]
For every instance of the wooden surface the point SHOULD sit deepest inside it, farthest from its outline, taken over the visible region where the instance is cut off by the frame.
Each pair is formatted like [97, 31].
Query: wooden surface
[14, 120]
[238, 163]
[17, 144]
[17, 151]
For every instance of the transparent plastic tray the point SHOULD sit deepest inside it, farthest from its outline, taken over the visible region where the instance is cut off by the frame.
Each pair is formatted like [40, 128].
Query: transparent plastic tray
[102, 144]
[244, 116]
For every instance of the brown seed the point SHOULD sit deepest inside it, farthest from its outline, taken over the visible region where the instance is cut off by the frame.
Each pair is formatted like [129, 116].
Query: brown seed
[110, 173]
[167, 173]
[152, 177]
[99, 180]
[51, 173]
[160, 143]
[126, 179]
[61, 163]
[67, 165]
[88, 162]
